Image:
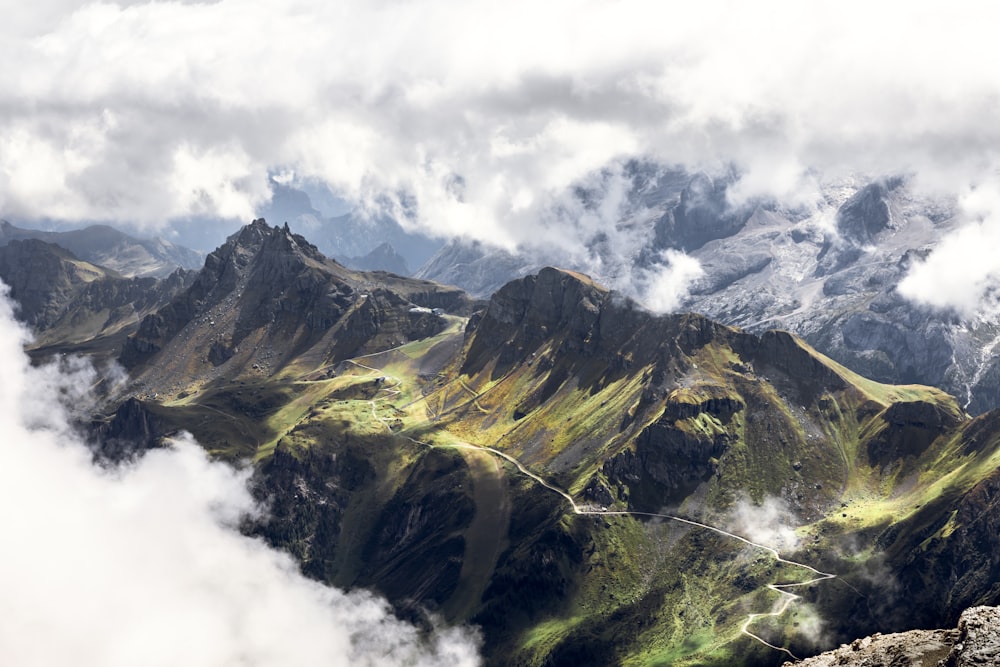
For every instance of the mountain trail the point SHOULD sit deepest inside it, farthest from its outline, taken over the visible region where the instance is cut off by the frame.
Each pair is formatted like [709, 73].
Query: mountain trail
[787, 598]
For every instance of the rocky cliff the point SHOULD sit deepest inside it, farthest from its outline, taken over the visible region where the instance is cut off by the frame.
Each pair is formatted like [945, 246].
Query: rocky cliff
[975, 643]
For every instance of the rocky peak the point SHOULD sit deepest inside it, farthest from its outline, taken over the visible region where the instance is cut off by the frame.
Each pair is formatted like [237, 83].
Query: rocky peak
[868, 212]
[529, 310]
[266, 295]
[252, 235]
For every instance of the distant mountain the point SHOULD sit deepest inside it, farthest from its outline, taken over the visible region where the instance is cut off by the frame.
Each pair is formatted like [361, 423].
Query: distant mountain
[382, 258]
[350, 238]
[829, 276]
[68, 302]
[112, 249]
[475, 267]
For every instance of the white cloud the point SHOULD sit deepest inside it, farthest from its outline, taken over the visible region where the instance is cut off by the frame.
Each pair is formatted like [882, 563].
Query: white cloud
[769, 523]
[518, 100]
[664, 287]
[144, 566]
[963, 272]
[475, 119]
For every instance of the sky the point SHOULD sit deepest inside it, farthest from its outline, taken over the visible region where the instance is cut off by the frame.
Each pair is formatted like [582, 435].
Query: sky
[143, 565]
[473, 119]
[476, 119]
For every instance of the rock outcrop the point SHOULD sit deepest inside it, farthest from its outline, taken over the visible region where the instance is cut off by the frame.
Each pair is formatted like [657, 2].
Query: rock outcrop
[975, 643]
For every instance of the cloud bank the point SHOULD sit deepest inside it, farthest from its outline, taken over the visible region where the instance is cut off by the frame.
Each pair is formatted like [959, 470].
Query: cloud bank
[474, 119]
[478, 120]
[962, 273]
[144, 565]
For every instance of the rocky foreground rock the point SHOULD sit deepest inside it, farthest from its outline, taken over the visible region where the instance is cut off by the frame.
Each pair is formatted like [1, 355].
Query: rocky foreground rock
[975, 643]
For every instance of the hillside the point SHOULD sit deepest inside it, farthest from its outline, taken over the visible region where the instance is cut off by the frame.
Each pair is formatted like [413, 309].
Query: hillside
[578, 477]
[71, 304]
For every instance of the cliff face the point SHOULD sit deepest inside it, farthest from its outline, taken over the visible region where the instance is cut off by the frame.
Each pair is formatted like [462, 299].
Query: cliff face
[128, 432]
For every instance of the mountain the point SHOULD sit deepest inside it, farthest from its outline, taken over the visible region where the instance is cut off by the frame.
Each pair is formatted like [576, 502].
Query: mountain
[829, 275]
[69, 303]
[585, 481]
[115, 250]
[266, 302]
[474, 267]
[381, 258]
[353, 239]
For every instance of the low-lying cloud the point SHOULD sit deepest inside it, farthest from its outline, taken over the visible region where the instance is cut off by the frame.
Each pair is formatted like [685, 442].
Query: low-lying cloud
[769, 523]
[145, 565]
[962, 273]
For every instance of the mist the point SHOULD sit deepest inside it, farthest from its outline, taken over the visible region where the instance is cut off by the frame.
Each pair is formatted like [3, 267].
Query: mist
[145, 565]
[768, 523]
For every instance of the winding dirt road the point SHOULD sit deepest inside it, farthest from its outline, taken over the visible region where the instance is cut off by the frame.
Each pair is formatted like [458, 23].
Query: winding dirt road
[781, 589]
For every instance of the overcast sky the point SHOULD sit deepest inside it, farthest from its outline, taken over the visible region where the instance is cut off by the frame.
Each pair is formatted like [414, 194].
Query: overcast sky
[477, 116]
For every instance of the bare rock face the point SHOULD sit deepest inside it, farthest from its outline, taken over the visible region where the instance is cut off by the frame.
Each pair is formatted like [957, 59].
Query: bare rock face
[917, 648]
[976, 643]
[978, 640]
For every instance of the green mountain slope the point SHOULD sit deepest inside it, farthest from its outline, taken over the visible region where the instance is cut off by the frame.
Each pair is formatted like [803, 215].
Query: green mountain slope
[585, 481]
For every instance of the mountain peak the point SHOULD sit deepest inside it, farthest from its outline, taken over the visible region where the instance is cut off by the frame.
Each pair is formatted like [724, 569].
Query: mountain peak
[251, 235]
[868, 212]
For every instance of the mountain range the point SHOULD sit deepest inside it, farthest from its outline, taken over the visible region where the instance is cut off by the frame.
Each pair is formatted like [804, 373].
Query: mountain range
[585, 481]
[124, 254]
[829, 273]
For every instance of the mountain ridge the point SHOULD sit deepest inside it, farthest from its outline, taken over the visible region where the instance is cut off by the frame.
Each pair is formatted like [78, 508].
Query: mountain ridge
[433, 456]
[108, 247]
[829, 275]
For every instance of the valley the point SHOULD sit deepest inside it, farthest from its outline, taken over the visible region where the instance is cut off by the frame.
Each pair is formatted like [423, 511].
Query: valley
[573, 475]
